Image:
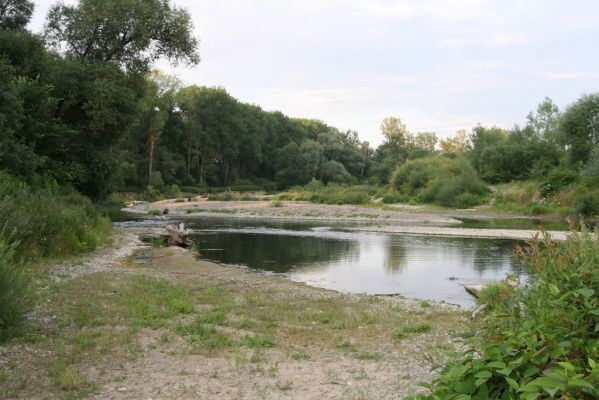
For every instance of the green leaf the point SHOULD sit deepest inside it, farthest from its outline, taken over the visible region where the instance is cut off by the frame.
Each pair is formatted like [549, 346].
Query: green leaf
[554, 290]
[580, 384]
[567, 366]
[496, 364]
[513, 384]
[592, 363]
[483, 375]
[480, 381]
[424, 385]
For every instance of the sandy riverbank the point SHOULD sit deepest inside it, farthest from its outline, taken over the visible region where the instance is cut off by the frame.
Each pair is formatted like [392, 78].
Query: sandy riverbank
[400, 219]
[136, 322]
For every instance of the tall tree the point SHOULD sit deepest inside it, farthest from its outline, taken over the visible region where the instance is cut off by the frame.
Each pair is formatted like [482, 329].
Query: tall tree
[130, 33]
[579, 128]
[456, 145]
[15, 14]
[545, 122]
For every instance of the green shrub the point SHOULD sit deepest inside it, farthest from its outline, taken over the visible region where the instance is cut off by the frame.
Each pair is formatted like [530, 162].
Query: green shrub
[49, 220]
[543, 342]
[151, 194]
[587, 203]
[334, 194]
[557, 180]
[495, 295]
[393, 198]
[12, 291]
[154, 212]
[440, 180]
[190, 189]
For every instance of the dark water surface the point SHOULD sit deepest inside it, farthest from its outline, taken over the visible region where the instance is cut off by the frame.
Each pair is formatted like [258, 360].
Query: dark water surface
[434, 268]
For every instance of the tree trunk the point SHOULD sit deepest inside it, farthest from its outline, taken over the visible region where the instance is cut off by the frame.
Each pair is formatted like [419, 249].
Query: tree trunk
[151, 143]
[189, 161]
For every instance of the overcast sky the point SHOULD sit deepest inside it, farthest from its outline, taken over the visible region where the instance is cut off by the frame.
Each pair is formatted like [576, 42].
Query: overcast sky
[438, 65]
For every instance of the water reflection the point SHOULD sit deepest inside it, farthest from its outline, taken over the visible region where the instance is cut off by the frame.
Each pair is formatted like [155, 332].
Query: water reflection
[271, 252]
[359, 262]
[395, 256]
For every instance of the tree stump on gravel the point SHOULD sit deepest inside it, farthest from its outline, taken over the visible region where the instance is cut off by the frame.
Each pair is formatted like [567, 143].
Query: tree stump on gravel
[177, 235]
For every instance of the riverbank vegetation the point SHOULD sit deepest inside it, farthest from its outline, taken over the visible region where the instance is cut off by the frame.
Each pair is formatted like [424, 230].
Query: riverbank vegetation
[539, 341]
[89, 112]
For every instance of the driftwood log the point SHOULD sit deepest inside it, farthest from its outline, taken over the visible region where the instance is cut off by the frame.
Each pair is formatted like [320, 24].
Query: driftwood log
[177, 235]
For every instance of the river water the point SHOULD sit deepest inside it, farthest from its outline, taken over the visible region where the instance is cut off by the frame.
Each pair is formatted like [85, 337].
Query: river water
[329, 256]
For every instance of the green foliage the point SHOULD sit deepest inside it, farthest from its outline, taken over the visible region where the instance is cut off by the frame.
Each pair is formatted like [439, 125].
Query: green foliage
[420, 328]
[393, 198]
[15, 14]
[591, 168]
[502, 156]
[440, 180]
[578, 128]
[333, 171]
[316, 192]
[557, 180]
[587, 203]
[13, 301]
[547, 345]
[49, 220]
[495, 295]
[130, 33]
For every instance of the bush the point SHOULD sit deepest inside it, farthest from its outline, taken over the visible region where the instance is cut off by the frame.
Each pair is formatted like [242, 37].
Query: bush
[587, 203]
[440, 180]
[49, 220]
[333, 194]
[543, 342]
[393, 198]
[558, 180]
[12, 291]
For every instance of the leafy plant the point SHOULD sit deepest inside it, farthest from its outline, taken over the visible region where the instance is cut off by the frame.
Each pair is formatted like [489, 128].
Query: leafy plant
[549, 345]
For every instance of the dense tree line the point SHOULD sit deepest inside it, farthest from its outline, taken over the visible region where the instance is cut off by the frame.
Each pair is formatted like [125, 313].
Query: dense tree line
[81, 104]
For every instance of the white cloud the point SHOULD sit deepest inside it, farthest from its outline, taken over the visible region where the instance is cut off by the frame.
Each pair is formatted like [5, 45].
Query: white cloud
[573, 75]
[506, 38]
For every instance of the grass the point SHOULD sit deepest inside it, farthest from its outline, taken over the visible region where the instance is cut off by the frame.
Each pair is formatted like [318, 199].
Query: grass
[102, 318]
[524, 197]
[52, 221]
[330, 194]
[419, 328]
[232, 196]
[154, 212]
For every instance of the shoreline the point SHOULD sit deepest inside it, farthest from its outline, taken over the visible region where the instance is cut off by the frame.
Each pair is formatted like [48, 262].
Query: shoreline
[415, 221]
[134, 321]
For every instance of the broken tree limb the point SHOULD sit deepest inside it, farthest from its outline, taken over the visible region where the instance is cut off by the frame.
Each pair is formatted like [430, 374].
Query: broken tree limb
[177, 235]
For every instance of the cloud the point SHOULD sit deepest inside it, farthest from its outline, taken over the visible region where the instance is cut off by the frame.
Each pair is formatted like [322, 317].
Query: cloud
[573, 75]
[506, 38]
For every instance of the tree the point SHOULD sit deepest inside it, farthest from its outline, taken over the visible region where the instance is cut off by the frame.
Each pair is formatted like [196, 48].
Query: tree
[158, 101]
[396, 135]
[129, 33]
[456, 145]
[425, 141]
[579, 128]
[333, 171]
[297, 165]
[482, 138]
[15, 14]
[545, 122]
